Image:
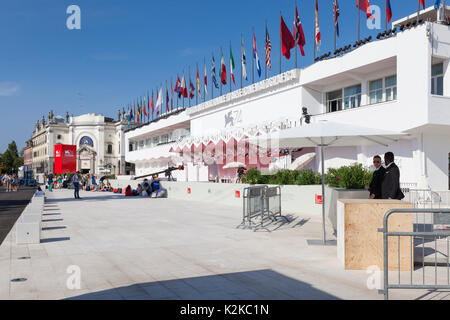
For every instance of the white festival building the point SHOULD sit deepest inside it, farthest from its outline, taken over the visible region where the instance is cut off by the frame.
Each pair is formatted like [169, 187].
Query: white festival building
[400, 82]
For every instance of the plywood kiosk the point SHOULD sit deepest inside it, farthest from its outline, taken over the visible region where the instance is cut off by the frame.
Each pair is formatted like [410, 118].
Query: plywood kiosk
[360, 245]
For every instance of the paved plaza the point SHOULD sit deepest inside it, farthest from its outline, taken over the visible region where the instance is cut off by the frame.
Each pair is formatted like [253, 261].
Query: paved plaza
[137, 248]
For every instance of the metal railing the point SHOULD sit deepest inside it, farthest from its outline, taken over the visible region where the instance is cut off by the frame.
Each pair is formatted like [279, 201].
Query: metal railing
[423, 198]
[261, 207]
[429, 250]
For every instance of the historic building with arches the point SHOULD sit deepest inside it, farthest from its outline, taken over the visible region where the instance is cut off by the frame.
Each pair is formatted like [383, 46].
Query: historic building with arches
[100, 142]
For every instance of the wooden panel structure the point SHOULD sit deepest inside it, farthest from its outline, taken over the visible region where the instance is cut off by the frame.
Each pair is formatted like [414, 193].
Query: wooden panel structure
[361, 245]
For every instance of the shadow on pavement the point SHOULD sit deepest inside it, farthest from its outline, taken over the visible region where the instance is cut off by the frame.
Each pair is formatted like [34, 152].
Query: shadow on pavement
[251, 285]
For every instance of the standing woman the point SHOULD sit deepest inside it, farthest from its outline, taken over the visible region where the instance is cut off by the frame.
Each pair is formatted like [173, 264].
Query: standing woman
[50, 182]
[9, 184]
[16, 183]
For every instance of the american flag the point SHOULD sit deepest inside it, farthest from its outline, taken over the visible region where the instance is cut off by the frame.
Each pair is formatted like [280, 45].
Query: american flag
[336, 15]
[268, 47]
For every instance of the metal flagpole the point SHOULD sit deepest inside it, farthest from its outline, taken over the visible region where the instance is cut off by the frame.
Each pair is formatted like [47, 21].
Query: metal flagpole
[189, 90]
[265, 54]
[242, 58]
[196, 94]
[221, 84]
[386, 20]
[335, 27]
[281, 40]
[253, 56]
[212, 82]
[359, 18]
[204, 84]
[295, 30]
[418, 11]
[182, 96]
[167, 102]
[231, 66]
[315, 40]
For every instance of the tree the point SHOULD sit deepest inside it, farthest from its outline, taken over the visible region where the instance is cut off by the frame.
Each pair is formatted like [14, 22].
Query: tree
[10, 160]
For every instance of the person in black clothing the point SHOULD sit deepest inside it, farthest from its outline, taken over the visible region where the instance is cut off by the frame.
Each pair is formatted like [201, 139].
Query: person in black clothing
[390, 188]
[375, 186]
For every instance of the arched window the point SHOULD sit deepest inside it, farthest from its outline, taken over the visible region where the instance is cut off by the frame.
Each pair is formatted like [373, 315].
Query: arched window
[86, 141]
[110, 149]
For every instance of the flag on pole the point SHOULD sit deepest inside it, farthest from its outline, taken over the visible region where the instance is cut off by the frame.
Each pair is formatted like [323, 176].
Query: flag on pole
[423, 3]
[171, 95]
[152, 105]
[243, 60]
[178, 87]
[318, 35]
[299, 35]
[255, 56]
[232, 66]
[148, 105]
[213, 73]
[268, 47]
[191, 88]
[364, 5]
[223, 70]
[198, 84]
[145, 108]
[159, 101]
[337, 12]
[388, 11]
[184, 88]
[129, 113]
[206, 81]
[437, 5]
[138, 112]
[287, 40]
[167, 98]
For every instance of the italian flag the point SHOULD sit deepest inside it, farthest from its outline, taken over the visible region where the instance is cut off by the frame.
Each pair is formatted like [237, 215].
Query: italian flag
[232, 65]
[223, 70]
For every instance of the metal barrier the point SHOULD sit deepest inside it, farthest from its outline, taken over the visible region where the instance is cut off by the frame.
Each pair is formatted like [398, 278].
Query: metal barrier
[423, 198]
[261, 207]
[421, 256]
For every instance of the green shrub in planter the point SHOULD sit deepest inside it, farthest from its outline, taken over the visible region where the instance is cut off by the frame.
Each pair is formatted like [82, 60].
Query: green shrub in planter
[352, 177]
[308, 178]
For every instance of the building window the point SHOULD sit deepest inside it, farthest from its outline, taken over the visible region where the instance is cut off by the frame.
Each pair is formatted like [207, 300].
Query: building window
[110, 151]
[334, 101]
[352, 97]
[391, 88]
[164, 139]
[437, 79]
[376, 91]
[130, 147]
[86, 141]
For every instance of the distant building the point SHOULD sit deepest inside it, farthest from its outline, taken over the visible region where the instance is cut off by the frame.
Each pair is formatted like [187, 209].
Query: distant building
[399, 81]
[99, 141]
[28, 155]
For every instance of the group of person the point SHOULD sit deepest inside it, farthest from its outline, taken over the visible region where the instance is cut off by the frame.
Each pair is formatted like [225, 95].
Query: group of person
[146, 189]
[10, 182]
[385, 182]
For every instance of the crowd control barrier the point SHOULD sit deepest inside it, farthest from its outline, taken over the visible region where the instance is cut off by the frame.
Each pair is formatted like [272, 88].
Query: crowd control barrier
[430, 249]
[261, 207]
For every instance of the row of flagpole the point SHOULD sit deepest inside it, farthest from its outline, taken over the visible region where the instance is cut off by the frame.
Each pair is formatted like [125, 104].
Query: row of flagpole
[143, 110]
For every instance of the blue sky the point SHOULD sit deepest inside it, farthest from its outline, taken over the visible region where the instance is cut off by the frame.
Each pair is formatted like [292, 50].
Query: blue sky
[125, 48]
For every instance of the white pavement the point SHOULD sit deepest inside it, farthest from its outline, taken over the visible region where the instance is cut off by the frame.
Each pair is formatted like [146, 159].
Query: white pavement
[135, 248]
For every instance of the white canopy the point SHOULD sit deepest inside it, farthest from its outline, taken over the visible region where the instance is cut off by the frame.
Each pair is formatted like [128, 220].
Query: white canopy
[325, 133]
